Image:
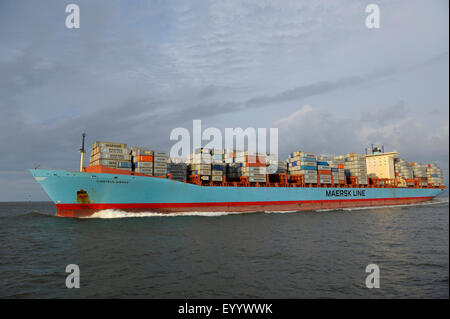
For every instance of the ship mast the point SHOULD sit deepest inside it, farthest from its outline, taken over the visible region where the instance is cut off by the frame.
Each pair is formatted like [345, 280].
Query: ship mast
[82, 152]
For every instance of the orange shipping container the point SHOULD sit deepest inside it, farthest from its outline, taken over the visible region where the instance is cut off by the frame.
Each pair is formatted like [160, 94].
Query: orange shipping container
[255, 159]
[255, 164]
[145, 158]
[340, 166]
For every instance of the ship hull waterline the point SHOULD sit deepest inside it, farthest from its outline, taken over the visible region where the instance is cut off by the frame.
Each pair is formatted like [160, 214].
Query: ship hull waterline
[85, 210]
[136, 194]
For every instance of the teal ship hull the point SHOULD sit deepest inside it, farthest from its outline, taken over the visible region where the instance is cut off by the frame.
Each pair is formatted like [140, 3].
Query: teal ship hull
[79, 194]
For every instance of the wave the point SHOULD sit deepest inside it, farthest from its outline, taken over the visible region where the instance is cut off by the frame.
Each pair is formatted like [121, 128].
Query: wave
[432, 202]
[32, 214]
[114, 213]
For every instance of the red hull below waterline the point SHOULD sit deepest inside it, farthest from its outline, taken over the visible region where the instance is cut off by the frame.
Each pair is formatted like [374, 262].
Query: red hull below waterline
[86, 210]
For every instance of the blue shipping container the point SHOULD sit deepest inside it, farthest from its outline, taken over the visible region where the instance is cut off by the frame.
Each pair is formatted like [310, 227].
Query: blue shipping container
[308, 159]
[307, 167]
[124, 164]
[322, 163]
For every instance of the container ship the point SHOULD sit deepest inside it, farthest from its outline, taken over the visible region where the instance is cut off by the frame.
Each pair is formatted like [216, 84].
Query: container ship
[142, 180]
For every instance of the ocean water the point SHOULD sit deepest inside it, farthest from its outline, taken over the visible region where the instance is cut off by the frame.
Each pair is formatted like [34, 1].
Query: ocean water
[317, 254]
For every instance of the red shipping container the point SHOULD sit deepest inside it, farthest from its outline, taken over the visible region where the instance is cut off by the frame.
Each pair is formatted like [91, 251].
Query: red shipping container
[255, 164]
[145, 158]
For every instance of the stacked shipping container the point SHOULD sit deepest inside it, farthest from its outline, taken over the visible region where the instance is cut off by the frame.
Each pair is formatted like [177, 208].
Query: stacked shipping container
[337, 169]
[114, 155]
[323, 172]
[303, 164]
[403, 169]
[160, 159]
[149, 162]
[435, 175]
[251, 165]
[178, 170]
[275, 165]
[218, 168]
[419, 170]
[217, 165]
[355, 166]
[143, 160]
[201, 161]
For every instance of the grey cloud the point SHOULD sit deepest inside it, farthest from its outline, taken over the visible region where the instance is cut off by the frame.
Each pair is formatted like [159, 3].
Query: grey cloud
[386, 114]
[438, 59]
[302, 92]
[317, 130]
[315, 89]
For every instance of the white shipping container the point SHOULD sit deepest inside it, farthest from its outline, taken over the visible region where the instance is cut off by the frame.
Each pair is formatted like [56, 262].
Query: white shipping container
[217, 178]
[108, 144]
[304, 154]
[160, 153]
[201, 161]
[144, 164]
[144, 170]
[160, 159]
[200, 166]
[201, 156]
[112, 150]
[159, 172]
[159, 165]
[109, 156]
[261, 170]
[257, 179]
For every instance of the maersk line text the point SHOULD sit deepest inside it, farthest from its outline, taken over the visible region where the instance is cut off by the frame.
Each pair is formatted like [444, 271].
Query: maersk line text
[226, 309]
[345, 192]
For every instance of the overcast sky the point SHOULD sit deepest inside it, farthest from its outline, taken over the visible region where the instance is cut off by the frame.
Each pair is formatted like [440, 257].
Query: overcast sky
[135, 70]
